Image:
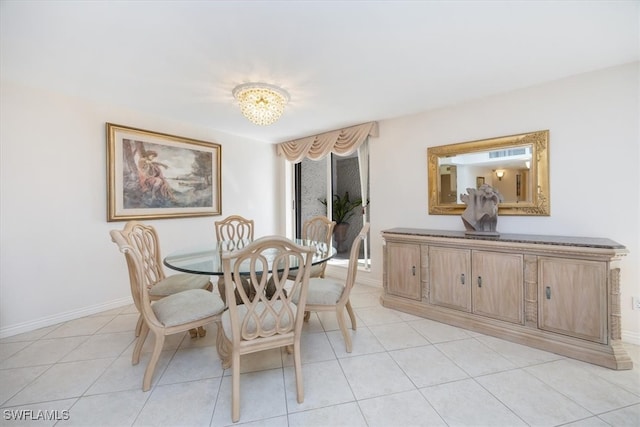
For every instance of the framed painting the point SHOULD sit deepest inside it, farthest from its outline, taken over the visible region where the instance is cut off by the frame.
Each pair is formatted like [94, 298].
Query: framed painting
[153, 175]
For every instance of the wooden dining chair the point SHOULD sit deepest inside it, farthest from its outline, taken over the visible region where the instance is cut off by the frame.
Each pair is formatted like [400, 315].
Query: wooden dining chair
[234, 227]
[144, 239]
[328, 294]
[262, 322]
[179, 312]
[235, 231]
[318, 229]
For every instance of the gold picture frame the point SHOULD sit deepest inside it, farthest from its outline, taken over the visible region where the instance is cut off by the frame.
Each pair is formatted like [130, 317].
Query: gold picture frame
[152, 175]
[529, 182]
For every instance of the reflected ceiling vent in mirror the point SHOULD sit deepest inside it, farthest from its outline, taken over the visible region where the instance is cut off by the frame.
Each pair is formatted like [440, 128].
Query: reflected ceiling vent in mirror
[261, 103]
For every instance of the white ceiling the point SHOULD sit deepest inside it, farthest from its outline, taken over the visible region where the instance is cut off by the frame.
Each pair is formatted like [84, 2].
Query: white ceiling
[342, 62]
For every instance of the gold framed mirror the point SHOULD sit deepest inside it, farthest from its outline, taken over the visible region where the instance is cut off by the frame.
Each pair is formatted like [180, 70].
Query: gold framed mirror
[516, 165]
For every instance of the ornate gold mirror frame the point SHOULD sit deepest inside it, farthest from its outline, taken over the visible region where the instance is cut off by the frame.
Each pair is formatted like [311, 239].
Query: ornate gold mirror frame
[516, 165]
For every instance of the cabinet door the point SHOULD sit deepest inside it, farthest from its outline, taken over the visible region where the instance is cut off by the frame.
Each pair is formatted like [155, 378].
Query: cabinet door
[403, 269]
[573, 297]
[450, 277]
[498, 285]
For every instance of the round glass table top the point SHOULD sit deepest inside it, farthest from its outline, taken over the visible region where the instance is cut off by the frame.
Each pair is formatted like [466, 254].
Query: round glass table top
[207, 260]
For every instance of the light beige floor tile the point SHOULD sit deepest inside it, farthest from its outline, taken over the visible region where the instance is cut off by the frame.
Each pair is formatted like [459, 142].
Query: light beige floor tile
[262, 395]
[474, 357]
[345, 415]
[43, 352]
[122, 323]
[280, 421]
[590, 391]
[314, 347]
[517, 354]
[329, 320]
[108, 410]
[8, 349]
[324, 385]
[79, 327]
[42, 414]
[130, 309]
[407, 409]
[112, 312]
[313, 325]
[372, 316]
[14, 380]
[171, 342]
[191, 364]
[465, 403]
[364, 299]
[437, 332]
[427, 366]
[208, 340]
[589, 422]
[396, 336]
[362, 342]
[183, 404]
[122, 375]
[530, 399]
[260, 361]
[61, 381]
[374, 375]
[629, 416]
[629, 379]
[101, 346]
[31, 335]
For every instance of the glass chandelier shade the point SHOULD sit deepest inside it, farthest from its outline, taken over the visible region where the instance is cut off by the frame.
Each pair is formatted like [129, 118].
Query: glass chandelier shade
[261, 103]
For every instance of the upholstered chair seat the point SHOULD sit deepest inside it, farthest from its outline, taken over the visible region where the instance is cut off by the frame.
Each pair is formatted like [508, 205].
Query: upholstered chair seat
[178, 283]
[187, 306]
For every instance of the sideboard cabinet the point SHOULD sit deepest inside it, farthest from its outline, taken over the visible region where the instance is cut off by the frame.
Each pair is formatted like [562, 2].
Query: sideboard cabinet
[560, 294]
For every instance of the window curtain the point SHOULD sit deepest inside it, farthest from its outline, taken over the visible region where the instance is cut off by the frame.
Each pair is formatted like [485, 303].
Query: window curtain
[363, 165]
[341, 142]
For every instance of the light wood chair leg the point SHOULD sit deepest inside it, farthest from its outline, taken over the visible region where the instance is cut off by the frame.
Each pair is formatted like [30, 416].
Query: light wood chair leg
[137, 350]
[307, 316]
[343, 329]
[352, 315]
[151, 367]
[297, 362]
[139, 325]
[235, 387]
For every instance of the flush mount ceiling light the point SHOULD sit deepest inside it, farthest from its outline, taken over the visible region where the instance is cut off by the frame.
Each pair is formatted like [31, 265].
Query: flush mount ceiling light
[261, 103]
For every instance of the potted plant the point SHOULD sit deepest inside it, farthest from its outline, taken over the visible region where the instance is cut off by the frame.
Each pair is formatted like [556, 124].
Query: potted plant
[343, 208]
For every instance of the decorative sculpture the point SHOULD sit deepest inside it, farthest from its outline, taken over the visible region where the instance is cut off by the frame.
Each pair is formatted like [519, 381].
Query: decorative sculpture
[481, 214]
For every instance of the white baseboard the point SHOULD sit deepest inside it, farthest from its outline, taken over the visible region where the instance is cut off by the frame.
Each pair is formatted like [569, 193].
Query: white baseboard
[43, 322]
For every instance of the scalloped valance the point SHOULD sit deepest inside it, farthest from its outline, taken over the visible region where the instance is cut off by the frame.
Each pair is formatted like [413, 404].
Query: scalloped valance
[341, 142]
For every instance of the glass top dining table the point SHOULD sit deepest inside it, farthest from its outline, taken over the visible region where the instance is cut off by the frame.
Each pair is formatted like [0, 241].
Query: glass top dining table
[207, 259]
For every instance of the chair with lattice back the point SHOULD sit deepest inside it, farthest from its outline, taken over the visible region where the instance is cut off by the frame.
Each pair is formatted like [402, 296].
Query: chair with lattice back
[236, 231]
[144, 239]
[262, 321]
[189, 309]
[328, 294]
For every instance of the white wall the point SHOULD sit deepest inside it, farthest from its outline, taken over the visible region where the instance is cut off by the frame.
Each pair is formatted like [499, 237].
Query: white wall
[594, 162]
[57, 260]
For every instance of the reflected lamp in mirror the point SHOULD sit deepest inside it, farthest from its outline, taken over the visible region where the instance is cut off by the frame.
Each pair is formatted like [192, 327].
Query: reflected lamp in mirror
[517, 166]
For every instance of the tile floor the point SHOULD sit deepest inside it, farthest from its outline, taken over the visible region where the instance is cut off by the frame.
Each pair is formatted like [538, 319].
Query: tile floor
[403, 371]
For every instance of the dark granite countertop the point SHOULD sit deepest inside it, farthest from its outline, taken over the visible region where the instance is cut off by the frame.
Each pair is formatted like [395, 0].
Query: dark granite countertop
[589, 242]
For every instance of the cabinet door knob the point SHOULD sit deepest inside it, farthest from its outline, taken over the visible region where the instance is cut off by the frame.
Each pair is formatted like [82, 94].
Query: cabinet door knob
[479, 281]
[462, 279]
[547, 292]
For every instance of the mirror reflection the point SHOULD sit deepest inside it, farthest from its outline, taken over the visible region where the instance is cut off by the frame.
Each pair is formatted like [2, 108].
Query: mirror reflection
[507, 170]
[517, 166]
